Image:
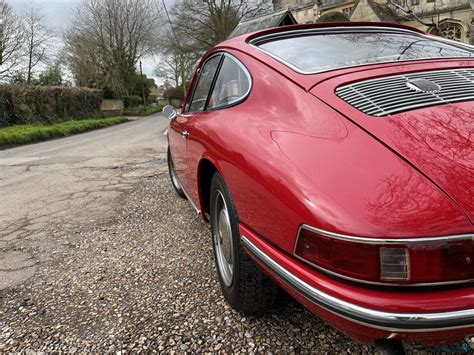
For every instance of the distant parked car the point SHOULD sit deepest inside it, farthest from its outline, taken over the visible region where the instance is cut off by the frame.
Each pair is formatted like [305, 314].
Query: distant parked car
[338, 159]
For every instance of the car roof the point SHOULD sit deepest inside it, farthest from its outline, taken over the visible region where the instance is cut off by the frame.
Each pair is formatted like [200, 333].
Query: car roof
[243, 44]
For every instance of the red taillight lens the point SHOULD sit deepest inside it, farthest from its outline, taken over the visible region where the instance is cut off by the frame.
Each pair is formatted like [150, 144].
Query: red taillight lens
[424, 262]
[443, 261]
[360, 261]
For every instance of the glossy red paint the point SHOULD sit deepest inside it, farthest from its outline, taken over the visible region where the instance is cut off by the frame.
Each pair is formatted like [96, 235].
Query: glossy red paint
[293, 153]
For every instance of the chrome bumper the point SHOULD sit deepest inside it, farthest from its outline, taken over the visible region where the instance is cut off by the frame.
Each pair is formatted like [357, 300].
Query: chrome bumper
[395, 322]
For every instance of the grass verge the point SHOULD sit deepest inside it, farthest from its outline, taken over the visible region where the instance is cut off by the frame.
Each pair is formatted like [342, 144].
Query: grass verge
[28, 133]
[150, 110]
[142, 110]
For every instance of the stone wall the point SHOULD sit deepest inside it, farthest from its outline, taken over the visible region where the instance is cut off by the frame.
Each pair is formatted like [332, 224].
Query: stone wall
[112, 107]
[452, 17]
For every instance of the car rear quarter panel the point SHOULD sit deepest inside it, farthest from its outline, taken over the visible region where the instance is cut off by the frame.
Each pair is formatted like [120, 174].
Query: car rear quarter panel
[290, 159]
[436, 139]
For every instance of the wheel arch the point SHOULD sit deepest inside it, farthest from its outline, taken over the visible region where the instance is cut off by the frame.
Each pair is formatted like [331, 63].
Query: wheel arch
[206, 171]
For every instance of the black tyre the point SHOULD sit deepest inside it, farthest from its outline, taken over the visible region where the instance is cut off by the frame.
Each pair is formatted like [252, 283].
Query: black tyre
[389, 347]
[174, 179]
[245, 287]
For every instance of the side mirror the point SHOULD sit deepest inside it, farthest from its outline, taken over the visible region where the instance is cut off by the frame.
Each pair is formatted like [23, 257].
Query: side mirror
[169, 111]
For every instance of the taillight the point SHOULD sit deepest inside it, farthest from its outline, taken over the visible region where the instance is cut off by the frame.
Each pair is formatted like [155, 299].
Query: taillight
[430, 260]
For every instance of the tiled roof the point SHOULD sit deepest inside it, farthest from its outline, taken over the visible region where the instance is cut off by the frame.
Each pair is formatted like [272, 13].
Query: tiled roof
[384, 12]
[273, 19]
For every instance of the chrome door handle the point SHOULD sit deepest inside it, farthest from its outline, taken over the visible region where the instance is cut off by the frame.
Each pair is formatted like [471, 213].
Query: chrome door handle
[185, 134]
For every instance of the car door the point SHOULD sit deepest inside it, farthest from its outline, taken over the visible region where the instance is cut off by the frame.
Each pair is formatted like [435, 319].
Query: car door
[179, 126]
[230, 87]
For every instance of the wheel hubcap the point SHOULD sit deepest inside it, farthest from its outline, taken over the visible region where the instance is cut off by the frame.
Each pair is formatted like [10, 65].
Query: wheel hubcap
[222, 234]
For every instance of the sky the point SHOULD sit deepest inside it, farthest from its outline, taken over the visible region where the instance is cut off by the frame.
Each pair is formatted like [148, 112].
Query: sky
[59, 13]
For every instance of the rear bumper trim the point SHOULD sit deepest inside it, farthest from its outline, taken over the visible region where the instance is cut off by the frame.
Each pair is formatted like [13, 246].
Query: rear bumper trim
[395, 322]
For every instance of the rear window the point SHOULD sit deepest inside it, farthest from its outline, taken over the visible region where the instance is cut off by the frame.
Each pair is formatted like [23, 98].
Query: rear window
[312, 53]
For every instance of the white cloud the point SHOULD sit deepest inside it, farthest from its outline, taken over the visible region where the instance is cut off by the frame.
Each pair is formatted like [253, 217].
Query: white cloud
[58, 13]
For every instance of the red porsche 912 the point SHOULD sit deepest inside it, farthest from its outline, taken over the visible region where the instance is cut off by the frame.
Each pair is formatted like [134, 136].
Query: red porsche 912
[336, 162]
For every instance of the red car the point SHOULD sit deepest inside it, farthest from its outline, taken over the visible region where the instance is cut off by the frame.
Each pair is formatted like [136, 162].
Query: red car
[339, 160]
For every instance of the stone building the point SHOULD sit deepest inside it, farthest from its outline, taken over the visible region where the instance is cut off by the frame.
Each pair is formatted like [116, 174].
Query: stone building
[449, 18]
[304, 11]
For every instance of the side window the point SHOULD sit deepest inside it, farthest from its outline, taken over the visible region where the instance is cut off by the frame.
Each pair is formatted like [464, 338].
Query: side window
[203, 86]
[232, 84]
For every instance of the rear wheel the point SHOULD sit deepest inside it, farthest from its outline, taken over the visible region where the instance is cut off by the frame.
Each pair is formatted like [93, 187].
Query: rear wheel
[245, 287]
[174, 179]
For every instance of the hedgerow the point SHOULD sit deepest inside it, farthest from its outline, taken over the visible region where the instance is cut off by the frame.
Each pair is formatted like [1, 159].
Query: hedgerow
[20, 104]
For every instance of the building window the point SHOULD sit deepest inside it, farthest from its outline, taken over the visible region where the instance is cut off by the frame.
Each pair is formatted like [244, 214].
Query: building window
[430, 1]
[347, 11]
[451, 30]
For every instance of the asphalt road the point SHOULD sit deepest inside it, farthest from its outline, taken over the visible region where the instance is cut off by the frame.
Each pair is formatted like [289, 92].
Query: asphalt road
[50, 190]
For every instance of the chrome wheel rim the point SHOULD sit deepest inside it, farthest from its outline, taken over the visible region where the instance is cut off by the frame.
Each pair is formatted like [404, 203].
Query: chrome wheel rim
[222, 235]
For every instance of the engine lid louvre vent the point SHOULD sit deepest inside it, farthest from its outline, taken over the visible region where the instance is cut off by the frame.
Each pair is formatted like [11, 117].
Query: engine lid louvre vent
[398, 93]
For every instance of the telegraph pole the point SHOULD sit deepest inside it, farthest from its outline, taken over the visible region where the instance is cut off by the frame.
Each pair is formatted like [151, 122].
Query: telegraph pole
[2, 24]
[143, 85]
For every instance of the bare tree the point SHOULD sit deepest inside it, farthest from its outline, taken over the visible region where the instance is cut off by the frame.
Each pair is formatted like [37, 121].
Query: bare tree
[81, 55]
[176, 63]
[176, 67]
[11, 42]
[37, 39]
[200, 25]
[113, 35]
[196, 26]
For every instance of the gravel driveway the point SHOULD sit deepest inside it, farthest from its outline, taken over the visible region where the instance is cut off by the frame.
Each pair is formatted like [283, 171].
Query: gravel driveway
[145, 280]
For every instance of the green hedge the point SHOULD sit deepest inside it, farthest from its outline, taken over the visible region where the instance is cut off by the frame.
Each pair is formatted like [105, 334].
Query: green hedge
[132, 101]
[21, 104]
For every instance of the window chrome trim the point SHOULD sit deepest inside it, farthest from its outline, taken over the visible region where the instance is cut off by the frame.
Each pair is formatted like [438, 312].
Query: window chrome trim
[240, 99]
[199, 73]
[381, 242]
[390, 321]
[254, 42]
